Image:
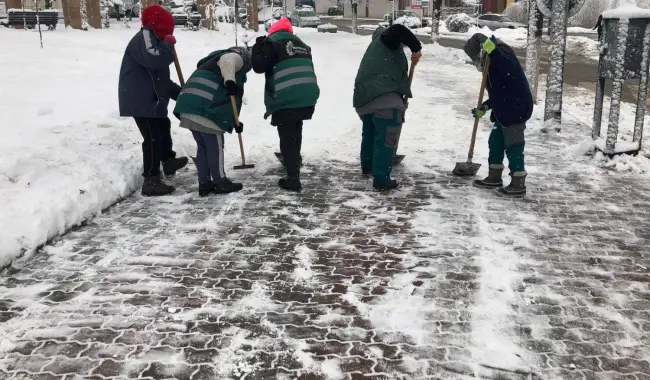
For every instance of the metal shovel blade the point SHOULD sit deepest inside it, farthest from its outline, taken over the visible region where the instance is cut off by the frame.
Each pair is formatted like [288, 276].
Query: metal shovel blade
[466, 169]
[398, 158]
[247, 166]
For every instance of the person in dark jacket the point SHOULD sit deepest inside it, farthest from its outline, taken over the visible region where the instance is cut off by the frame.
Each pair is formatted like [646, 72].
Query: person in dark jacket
[205, 108]
[291, 91]
[380, 92]
[511, 103]
[144, 91]
[599, 26]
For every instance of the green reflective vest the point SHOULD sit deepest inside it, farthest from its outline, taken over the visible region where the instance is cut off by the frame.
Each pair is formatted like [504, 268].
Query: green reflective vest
[205, 94]
[293, 82]
[382, 70]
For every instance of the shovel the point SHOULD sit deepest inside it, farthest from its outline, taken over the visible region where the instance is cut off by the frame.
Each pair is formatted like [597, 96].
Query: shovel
[178, 70]
[397, 158]
[468, 169]
[241, 142]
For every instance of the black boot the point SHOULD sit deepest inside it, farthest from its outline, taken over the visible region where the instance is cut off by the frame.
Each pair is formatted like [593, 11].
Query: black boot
[205, 188]
[290, 183]
[153, 187]
[173, 164]
[227, 187]
[493, 180]
[390, 186]
[517, 187]
[367, 173]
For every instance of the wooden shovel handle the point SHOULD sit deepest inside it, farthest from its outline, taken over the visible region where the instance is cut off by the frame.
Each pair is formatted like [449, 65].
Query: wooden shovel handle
[470, 155]
[241, 142]
[178, 69]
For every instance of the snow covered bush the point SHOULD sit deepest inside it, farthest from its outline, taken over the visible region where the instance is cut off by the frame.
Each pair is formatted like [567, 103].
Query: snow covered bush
[459, 23]
[518, 12]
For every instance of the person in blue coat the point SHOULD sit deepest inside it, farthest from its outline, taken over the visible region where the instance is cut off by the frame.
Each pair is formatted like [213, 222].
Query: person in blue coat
[145, 88]
[511, 102]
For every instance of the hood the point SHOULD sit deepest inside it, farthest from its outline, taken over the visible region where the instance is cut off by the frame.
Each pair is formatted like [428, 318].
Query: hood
[378, 32]
[159, 20]
[282, 25]
[473, 46]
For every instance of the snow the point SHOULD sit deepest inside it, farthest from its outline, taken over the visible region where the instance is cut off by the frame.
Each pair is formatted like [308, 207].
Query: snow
[627, 9]
[411, 22]
[619, 147]
[67, 157]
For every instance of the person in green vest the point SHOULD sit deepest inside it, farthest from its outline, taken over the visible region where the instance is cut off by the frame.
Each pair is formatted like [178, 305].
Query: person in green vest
[290, 93]
[380, 92]
[204, 107]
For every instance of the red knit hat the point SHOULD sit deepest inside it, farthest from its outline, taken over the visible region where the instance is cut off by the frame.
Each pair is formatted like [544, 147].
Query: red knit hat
[159, 20]
[282, 25]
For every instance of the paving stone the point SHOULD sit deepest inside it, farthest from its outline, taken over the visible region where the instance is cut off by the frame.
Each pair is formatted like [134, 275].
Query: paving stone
[262, 284]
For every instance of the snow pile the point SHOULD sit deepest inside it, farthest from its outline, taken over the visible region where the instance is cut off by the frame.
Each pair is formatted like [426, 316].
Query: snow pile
[459, 23]
[409, 21]
[627, 9]
[329, 28]
[583, 46]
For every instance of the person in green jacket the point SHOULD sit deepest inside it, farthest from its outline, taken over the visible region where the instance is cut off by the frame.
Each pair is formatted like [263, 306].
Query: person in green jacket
[380, 92]
[290, 93]
[205, 108]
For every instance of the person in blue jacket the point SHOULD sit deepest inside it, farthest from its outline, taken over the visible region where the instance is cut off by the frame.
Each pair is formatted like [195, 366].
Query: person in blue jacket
[145, 88]
[511, 102]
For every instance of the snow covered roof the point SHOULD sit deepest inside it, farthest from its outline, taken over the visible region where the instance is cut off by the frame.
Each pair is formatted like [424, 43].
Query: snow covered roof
[627, 10]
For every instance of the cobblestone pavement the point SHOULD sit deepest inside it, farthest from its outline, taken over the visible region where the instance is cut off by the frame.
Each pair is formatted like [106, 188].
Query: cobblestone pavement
[436, 281]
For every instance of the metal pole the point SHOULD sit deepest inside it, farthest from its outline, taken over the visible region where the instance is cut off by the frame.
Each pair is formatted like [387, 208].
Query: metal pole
[643, 90]
[532, 47]
[555, 82]
[355, 28]
[617, 88]
[38, 21]
[600, 91]
[435, 20]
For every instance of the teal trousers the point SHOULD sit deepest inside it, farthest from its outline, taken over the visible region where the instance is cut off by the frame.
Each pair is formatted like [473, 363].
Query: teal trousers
[498, 142]
[378, 141]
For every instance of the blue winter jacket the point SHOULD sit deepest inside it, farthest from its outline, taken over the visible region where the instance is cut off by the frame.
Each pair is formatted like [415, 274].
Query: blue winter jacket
[145, 86]
[510, 98]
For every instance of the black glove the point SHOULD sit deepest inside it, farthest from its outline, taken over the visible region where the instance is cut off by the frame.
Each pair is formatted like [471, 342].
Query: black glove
[260, 40]
[240, 128]
[231, 87]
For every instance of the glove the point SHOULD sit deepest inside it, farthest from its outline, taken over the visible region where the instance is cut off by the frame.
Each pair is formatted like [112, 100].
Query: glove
[170, 39]
[415, 57]
[480, 111]
[231, 87]
[490, 44]
[240, 128]
[260, 40]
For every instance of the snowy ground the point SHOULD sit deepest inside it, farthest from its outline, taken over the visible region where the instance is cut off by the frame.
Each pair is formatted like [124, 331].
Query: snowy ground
[437, 280]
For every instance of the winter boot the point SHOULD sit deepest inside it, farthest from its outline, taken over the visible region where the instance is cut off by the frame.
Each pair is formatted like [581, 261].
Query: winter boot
[493, 180]
[517, 187]
[173, 164]
[153, 187]
[205, 189]
[227, 186]
[290, 183]
[390, 186]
